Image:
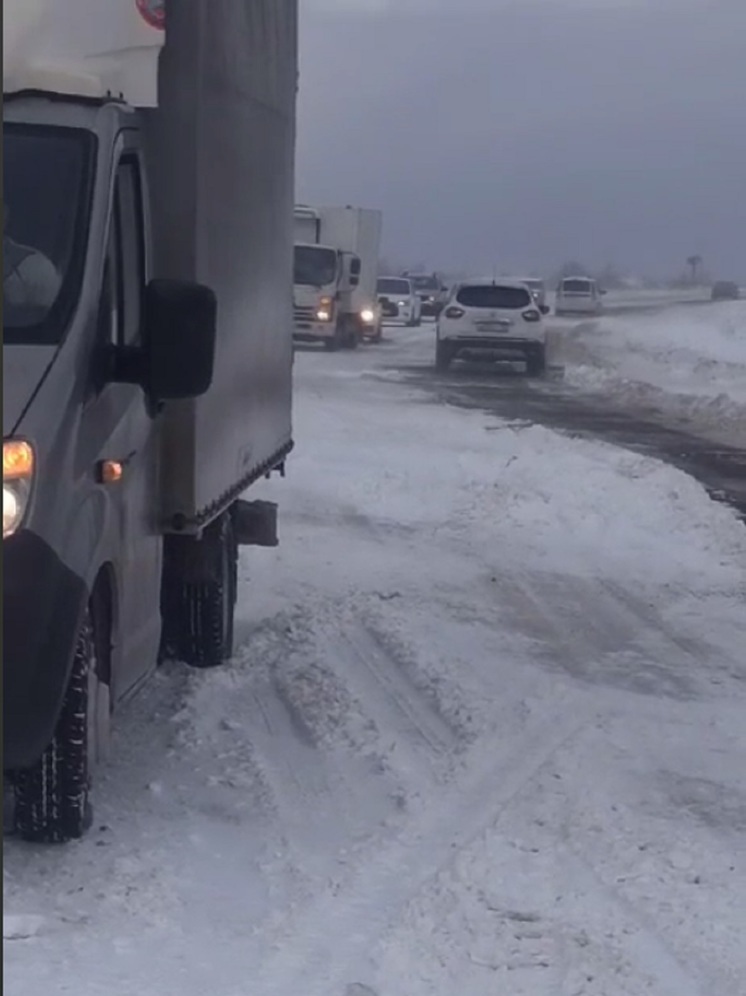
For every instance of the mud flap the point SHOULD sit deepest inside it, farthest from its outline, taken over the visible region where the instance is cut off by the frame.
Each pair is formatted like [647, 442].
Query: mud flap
[255, 523]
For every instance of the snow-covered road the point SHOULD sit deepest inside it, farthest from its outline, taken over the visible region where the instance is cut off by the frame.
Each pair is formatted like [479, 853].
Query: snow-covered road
[484, 734]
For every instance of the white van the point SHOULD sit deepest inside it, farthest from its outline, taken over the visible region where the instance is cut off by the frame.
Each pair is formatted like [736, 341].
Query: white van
[579, 296]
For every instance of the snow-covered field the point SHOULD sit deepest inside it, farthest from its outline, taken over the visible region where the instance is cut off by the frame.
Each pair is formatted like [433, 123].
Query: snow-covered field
[484, 734]
[689, 361]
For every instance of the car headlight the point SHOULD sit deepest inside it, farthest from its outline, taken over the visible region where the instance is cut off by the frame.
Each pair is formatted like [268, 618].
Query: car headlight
[368, 316]
[18, 473]
[325, 310]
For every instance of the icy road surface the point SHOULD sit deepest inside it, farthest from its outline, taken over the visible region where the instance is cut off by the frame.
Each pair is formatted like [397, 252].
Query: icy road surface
[484, 734]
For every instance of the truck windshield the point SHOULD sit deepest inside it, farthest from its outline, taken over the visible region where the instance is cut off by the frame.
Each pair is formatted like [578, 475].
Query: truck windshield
[314, 266]
[46, 200]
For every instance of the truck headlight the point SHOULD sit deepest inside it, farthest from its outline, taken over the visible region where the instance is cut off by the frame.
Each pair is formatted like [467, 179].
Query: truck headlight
[368, 316]
[325, 310]
[18, 473]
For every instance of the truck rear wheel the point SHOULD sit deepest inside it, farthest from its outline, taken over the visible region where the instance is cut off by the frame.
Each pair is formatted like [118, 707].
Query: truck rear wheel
[198, 611]
[52, 804]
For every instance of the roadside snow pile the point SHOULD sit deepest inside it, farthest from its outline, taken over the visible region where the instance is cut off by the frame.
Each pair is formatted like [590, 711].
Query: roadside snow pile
[691, 361]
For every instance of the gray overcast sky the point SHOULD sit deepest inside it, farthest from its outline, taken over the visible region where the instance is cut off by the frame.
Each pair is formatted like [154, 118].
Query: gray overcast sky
[530, 132]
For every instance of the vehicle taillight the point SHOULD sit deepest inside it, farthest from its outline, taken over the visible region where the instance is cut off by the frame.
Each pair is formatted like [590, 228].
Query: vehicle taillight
[532, 315]
[454, 312]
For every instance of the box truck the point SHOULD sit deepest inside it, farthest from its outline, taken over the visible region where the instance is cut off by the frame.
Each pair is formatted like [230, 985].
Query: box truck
[147, 355]
[336, 271]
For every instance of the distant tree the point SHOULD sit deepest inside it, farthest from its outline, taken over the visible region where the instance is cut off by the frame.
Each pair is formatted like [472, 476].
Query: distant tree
[694, 263]
[609, 277]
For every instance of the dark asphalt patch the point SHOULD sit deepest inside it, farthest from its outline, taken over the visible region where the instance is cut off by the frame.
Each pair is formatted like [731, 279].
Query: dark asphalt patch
[508, 394]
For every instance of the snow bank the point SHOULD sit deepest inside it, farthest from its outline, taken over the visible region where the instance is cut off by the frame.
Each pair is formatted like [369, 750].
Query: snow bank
[691, 361]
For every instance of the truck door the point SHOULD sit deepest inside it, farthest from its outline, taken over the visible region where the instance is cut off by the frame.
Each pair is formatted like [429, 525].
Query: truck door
[132, 442]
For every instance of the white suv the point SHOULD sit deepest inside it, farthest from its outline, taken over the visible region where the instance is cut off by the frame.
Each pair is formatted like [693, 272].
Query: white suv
[493, 317]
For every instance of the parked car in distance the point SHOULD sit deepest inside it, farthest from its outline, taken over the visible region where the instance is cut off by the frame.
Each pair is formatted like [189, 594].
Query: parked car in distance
[487, 318]
[725, 290]
[537, 287]
[579, 296]
[432, 291]
[399, 301]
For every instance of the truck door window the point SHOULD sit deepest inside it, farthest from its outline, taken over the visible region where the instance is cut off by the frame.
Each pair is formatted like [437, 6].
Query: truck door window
[131, 249]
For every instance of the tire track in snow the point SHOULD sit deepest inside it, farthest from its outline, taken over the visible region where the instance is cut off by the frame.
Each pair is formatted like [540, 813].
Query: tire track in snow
[598, 633]
[328, 945]
[327, 802]
[423, 743]
[644, 946]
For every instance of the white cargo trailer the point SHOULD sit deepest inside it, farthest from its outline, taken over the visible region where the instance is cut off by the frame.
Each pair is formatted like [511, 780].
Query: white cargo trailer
[147, 356]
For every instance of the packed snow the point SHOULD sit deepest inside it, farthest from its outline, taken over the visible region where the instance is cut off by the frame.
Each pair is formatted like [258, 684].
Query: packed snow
[483, 733]
[687, 361]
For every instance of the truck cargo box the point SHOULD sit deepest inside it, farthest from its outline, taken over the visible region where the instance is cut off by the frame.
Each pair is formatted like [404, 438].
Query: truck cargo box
[221, 150]
[358, 230]
[86, 48]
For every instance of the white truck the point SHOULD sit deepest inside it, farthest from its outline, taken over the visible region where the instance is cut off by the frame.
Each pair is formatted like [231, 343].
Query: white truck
[336, 271]
[147, 355]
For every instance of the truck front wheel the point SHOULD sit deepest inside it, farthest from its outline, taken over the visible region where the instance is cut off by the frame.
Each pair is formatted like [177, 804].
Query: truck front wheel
[51, 799]
[338, 340]
[352, 339]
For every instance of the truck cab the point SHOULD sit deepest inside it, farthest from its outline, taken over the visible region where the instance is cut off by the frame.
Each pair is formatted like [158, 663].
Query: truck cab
[135, 408]
[324, 279]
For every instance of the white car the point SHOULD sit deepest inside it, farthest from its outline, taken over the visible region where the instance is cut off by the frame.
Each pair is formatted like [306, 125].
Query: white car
[489, 317]
[579, 296]
[399, 301]
[537, 288]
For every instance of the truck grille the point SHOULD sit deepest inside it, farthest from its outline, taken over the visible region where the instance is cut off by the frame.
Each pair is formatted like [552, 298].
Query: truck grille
[304, 315]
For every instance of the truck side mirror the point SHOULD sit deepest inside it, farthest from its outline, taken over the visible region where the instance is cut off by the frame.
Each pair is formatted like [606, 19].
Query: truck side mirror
[178, 339]
[355, 270]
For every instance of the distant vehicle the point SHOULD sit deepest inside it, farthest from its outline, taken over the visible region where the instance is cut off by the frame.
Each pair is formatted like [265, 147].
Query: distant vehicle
[432, 292]
[399, 301]
[725, 290]
[579, 296]
[537, 288]
[488, 317]
[335, 273]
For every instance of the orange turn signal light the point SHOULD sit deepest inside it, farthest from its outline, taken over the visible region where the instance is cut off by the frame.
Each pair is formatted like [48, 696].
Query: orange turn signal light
[18, 460]
[110, 471]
